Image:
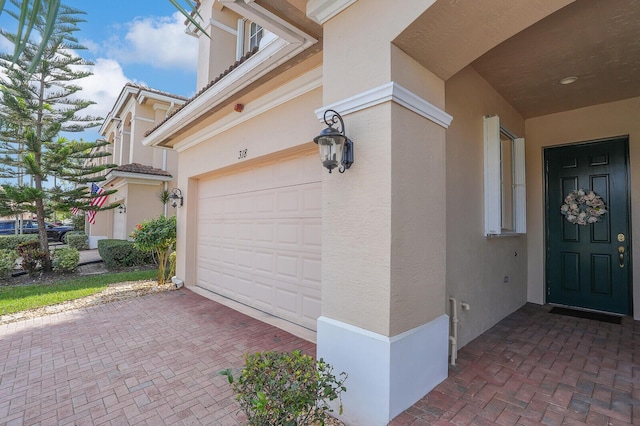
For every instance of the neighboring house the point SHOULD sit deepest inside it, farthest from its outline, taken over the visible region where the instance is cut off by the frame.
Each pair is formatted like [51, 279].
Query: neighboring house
[143, 173]
[448, 104]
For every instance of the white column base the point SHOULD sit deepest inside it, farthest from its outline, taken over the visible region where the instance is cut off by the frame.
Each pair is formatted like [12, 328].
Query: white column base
[93, 240]
[386, 374]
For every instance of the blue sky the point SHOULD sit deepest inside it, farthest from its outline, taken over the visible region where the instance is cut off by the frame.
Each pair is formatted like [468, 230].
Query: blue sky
[141, 41]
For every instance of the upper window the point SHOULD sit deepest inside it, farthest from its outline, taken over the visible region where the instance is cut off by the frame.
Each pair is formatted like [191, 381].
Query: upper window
[255, 35]
[504, 180]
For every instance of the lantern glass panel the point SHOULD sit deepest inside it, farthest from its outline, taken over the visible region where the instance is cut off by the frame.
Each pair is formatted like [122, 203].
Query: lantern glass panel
[331, 148]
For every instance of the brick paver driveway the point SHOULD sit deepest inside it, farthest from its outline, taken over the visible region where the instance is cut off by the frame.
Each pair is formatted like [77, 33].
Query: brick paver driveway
[147, 360]
[154, 360]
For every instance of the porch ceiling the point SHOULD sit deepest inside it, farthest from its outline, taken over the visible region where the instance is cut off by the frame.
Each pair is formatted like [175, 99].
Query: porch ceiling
[596, 41]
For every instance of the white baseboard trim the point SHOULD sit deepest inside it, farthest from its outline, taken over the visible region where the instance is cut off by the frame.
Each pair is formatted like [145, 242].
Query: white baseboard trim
[386, 374]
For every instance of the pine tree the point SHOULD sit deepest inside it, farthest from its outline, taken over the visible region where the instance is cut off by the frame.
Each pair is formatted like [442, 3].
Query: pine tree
[36, 106]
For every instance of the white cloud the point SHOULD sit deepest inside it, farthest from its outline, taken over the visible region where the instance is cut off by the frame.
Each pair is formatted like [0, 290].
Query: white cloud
[157, 41]
[6, 45]
[103, 87]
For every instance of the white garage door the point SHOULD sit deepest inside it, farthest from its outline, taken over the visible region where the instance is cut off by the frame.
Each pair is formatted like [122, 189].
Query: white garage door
[259, 237]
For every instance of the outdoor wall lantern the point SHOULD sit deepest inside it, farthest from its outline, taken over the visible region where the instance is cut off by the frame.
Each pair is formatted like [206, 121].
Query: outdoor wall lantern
[122, 208]
[336, 149]
[176, 197]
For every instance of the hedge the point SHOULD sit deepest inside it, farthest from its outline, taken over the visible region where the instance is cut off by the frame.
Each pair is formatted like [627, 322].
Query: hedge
[10, 242]
[122, 253]
[65, 259]
[77, 240]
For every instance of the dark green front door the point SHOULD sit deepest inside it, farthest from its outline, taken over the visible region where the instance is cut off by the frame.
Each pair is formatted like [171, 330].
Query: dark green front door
[589, 265]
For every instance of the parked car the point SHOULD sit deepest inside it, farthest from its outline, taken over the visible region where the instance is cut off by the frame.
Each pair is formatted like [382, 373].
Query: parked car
[30, 226]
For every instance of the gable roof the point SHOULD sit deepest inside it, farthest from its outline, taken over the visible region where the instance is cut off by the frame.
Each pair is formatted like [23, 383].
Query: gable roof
[141, 169]
[141, 93]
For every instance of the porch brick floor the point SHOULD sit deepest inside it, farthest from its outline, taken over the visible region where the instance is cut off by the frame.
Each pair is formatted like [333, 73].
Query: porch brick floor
[155, 360]
[540, 368]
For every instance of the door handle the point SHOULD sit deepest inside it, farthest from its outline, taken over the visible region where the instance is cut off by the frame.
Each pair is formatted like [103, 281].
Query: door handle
[621, 256]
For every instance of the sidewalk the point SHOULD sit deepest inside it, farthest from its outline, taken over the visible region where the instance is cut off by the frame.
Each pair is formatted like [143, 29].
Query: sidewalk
[89, 256]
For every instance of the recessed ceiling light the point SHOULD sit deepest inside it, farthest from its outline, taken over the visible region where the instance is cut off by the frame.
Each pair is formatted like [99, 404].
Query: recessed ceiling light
[568, 80]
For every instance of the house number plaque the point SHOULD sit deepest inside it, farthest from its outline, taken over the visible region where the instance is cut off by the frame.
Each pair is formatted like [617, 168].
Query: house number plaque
[621, 238]
[242, 154]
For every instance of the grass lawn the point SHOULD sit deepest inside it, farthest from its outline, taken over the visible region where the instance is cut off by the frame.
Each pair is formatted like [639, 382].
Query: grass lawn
[21, 298]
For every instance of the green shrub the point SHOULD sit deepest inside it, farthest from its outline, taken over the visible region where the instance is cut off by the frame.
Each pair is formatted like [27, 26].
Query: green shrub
[7, 262]
[65, 259]
[10, 242]
[122, 253]
[32, 256]
[77, 240]
[286, 388]
[158, 236]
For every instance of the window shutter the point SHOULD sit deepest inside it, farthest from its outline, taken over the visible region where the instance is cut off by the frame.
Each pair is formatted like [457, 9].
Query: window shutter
[492, 167]
[519, 186]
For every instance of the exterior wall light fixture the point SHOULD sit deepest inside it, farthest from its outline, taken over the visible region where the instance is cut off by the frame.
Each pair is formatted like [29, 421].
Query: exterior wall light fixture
[122, 208]
[336, 149]
[176, 197]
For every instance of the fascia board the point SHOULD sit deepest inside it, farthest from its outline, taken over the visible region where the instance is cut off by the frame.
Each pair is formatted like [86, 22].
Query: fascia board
[139, 176]
[298, 87]
[146, 95]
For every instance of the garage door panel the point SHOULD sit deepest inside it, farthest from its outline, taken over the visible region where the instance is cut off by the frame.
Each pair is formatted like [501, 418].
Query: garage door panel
[265, 203]
[287, 234]
[287, 267]
[312, 236]
[287, 302]
[311, 272]
[259, 238]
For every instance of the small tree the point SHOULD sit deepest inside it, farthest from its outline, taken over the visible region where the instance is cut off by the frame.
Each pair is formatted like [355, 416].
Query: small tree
[157, 236]
[38, 103]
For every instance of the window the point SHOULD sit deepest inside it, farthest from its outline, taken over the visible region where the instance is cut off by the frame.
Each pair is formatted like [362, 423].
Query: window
[255, 35]
[504, 180]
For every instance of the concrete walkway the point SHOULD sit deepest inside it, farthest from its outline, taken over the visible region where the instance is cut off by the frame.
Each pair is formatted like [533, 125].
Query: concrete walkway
[155, 360]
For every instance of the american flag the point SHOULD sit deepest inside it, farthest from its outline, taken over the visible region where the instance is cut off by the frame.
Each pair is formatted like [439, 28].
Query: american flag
[97, 201]
[75, 211]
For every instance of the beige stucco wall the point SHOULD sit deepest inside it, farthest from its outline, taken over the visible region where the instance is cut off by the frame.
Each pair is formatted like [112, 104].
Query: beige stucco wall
[595, 122]
[476, 265]
[218, 51]
[143, 204]
[358, 52]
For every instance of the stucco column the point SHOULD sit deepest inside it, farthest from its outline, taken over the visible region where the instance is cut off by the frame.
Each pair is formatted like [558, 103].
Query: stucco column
[384, 222]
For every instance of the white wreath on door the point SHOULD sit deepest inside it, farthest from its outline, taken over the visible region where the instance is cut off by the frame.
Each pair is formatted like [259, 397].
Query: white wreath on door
[583, 207]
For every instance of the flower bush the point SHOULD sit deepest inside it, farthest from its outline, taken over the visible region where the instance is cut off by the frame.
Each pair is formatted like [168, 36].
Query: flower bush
[32, 256]
[286, 388]
[158, 236]
[583, 207]
[65, 259]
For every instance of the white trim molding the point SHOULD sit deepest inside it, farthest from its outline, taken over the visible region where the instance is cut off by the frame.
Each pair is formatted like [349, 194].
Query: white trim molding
[386, 374]
[223, 27]
[298, 87]
[394, 92]
[323, 10]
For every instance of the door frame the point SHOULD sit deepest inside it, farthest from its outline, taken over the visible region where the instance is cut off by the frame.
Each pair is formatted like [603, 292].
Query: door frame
[627, 202]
